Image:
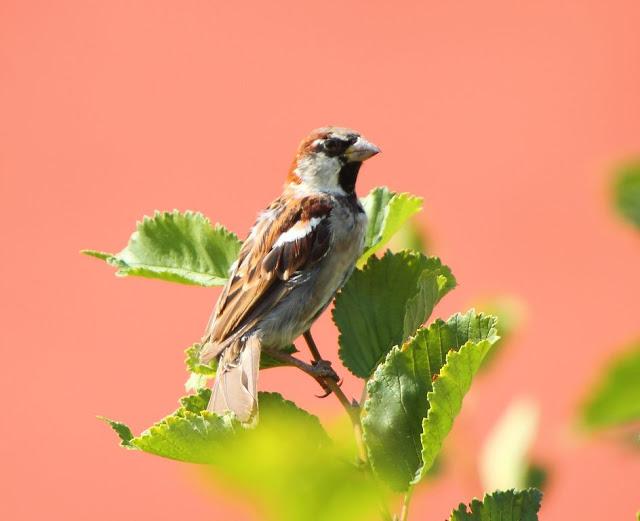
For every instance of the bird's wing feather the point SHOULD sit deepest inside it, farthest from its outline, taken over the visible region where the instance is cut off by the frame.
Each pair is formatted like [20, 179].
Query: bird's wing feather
[285, 240]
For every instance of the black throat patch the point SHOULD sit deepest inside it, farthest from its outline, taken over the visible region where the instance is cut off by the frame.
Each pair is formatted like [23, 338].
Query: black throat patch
[348, 175]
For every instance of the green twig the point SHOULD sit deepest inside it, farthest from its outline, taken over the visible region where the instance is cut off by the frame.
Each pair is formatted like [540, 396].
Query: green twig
[404, 513]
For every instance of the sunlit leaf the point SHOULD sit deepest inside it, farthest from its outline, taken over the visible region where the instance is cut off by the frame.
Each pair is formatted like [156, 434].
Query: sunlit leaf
[384, 303]
[510, 505]
[446, 398]
[177, 247]
[420, 386]
[615, 398]
[291, 474]
[194, 435]
[627, 192]
[411, 236]
[387, 212]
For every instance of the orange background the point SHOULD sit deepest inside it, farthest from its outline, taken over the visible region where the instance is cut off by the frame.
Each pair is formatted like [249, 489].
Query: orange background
[506, 116]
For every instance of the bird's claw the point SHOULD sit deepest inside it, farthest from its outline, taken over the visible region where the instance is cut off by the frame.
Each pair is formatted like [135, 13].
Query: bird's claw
[327, 392]
[324, 371]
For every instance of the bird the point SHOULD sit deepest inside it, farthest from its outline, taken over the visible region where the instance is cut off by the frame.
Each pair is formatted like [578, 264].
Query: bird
[298, 254]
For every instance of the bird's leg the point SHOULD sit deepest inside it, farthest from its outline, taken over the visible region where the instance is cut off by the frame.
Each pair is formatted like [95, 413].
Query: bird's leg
[317, 357]
[333, 378]
[330, 384]
[318, 371]
[311, 344]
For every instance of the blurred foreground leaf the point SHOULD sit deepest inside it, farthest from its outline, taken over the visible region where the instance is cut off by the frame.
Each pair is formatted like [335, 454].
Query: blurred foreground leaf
[286, 470]
[412, 236]
[177, 247]
[504, 459]
[387, 212]
[510, 505]
[384, 303]
[615, 398]
[510, 312]
[195, 435]
[627, 192]
[415, 394]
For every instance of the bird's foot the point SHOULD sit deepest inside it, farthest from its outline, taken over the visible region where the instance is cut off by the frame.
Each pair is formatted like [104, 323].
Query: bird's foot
[324, 371]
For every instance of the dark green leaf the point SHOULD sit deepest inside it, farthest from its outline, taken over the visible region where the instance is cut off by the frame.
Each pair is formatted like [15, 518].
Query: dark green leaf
[384, 303]
[387, 212]
[123, 432]
[615, 399]
[403, 399]
[627, 192]
[536, 476]
[177, 247]
[509, 505]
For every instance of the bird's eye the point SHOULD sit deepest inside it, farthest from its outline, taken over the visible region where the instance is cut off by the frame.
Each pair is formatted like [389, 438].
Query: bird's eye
[334, 146]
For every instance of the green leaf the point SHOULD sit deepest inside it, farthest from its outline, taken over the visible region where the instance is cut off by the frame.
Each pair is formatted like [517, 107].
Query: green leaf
[446, 398]
[123, 432]
[177, 247]
[97, 254]
[192, 361]
[200, 374]
[186, 436]
[415, 394]
[387, 212]
[505, 457]
[384, 303]
[511, 313]
[536, 476]
[627, 192]
[615, 398]
[195, 435]
[289, 470]
[412, 236]
[510, 505]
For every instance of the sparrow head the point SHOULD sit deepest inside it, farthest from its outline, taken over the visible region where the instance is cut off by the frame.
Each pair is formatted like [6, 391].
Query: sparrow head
[329, 159]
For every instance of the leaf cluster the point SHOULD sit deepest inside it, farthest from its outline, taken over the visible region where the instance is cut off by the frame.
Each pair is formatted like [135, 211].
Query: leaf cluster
[415, 376]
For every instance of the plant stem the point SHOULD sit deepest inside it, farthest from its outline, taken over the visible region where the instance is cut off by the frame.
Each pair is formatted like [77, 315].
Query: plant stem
[404, 513]
[352, 408]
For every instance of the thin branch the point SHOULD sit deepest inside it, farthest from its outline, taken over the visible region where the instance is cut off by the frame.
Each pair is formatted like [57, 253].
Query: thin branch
[292, 361]
[311, 344]
[352, 408]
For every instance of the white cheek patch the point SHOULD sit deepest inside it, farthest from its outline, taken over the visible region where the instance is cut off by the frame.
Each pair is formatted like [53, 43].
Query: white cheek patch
[298, 231]
[319, 173]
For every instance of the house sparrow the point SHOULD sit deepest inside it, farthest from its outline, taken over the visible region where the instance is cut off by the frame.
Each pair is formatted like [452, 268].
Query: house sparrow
[300, 251]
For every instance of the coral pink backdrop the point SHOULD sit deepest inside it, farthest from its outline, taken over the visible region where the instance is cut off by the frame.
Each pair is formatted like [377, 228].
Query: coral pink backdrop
[506, 116]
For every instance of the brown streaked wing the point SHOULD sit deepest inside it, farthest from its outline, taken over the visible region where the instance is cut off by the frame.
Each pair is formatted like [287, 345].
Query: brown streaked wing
[264, 265]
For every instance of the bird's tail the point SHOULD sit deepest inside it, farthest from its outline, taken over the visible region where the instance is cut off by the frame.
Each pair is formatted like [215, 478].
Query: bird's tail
[236, 385]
